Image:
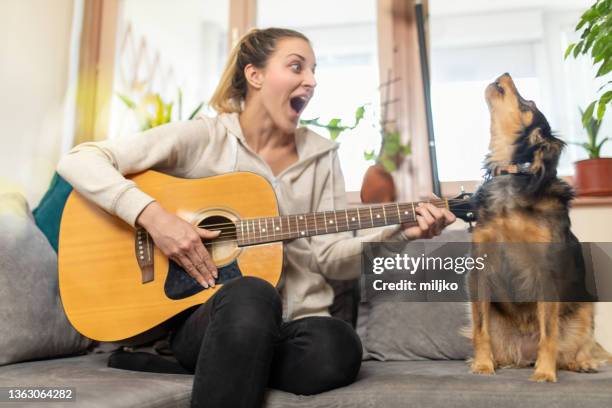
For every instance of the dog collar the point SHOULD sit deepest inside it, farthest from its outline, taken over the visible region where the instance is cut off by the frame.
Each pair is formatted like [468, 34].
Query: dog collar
[515, 168]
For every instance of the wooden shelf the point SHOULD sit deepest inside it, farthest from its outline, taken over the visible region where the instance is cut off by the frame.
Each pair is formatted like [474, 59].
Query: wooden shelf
[585, 201]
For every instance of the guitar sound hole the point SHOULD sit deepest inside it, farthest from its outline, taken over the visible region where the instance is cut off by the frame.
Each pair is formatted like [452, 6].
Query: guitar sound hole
[219, 223]
[180, 285]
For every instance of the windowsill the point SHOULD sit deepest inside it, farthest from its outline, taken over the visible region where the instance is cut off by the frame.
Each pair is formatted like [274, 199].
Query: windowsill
[592, 201]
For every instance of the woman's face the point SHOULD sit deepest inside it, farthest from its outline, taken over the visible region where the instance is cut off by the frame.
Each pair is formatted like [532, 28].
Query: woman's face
[287, 82]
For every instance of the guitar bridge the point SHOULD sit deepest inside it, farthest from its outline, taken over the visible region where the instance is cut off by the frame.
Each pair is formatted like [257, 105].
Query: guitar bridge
[143, 244]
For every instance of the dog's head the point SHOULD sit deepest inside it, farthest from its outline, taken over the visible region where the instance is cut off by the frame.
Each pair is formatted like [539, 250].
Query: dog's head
[520, 134]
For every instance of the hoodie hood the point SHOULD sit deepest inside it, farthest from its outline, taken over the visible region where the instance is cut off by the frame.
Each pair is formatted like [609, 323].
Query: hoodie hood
[310, 146]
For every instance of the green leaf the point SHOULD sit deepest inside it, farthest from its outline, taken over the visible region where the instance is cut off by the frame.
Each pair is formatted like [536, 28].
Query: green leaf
[358, 116]
[588, 114]
[314, 122]
[578, 48]
[599, 46]
[196, 110]
[604, 85]
[605, 68]
[369, 155]
[334, 133]
[569, 50]
[604, 140]
[333, 123]
[606, 97]
[601, 109]
[391, 148]
[388, 164]
[128, 102]
[407, 149]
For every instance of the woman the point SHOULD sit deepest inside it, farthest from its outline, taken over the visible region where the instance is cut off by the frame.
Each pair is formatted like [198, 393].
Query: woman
[249, 335]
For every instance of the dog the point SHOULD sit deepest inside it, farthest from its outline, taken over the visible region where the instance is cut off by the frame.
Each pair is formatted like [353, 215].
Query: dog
[524, 205]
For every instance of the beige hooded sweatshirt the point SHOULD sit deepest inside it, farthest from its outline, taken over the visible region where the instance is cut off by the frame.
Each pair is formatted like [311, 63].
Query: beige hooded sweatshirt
[210, 146]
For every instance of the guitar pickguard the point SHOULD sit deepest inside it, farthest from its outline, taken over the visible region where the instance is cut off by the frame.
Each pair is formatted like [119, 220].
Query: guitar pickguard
[180, 285]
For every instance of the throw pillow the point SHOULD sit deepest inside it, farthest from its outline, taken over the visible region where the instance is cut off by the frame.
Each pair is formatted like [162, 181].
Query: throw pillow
[33, 324]
[398, 330]
[48, 214]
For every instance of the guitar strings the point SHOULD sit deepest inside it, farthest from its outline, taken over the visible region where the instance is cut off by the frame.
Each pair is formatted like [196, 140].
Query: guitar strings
[231, 236]
[231, 224]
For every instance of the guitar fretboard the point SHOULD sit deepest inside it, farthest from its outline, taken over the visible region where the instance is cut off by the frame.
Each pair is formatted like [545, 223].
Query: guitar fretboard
[263, 230]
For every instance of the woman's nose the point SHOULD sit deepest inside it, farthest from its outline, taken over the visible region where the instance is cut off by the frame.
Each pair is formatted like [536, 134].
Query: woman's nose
[309, 79]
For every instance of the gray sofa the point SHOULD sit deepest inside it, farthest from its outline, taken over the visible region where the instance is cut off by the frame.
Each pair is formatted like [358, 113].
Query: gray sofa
[414, 355]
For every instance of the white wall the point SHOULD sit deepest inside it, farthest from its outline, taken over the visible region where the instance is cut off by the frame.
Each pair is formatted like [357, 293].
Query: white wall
[34, 66]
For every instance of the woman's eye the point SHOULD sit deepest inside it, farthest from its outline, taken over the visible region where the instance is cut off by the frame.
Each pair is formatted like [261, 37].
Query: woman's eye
[297, 67]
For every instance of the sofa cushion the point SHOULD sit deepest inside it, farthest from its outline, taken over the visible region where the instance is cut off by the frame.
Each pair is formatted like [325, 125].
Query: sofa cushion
[33, 324]
[444, 384]
[398, 330]
[435, 384]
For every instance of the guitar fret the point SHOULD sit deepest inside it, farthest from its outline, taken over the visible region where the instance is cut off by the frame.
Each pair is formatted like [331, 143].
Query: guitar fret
[384, 214]
[314, 221]
[347, 221]
[273, 230]
[325, 221]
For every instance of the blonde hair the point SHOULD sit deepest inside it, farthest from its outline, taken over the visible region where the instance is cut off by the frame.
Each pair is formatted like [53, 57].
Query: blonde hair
[255, 47]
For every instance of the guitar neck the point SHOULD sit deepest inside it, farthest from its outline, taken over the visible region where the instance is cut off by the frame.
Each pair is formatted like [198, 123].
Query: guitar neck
[254, 231]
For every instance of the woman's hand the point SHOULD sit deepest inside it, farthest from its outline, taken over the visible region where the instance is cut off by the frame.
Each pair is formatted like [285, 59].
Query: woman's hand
[181, 242]
[431, 221]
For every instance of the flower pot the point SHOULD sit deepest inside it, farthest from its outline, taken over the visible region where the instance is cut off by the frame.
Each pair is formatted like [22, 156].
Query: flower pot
[594, 177]
[378, 186]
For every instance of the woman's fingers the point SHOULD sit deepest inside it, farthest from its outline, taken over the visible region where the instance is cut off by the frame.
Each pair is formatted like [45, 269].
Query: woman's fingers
[206, 259]
[192, 270]
[426, 213]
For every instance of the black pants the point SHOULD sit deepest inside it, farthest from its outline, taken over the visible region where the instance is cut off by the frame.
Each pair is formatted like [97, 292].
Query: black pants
[237, 345]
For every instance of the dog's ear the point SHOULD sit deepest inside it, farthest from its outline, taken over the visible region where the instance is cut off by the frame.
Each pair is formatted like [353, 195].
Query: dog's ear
[546, 150]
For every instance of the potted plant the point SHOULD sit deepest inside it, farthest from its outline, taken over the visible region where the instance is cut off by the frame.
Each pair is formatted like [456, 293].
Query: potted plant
[152, 111]
[378, 185]
[594, 175]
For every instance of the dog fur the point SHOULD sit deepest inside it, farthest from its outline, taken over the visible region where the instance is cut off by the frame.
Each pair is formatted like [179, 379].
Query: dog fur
[531, 206]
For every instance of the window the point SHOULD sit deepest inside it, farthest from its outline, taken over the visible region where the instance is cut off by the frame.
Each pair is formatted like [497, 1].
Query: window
[163, 46]
[473, 44]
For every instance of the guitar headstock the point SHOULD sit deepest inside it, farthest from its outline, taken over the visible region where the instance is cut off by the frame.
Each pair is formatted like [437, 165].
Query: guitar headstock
[461, 206]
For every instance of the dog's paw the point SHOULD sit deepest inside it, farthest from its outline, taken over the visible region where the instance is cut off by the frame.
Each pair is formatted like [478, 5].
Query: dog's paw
[544, 376]
[482, 367]
[584, 366]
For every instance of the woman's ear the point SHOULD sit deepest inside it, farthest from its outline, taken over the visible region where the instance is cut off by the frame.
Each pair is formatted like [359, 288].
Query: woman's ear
[253, 76]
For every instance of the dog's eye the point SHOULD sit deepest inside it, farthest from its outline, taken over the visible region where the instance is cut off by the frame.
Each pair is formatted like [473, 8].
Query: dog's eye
[499, 88]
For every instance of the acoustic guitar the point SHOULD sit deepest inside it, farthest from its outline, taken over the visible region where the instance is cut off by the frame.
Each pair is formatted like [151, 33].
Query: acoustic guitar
[115, 284]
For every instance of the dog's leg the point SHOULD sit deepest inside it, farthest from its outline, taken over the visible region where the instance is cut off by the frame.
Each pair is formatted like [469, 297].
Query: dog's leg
[586, 355]
[483, 357]
[548, 322]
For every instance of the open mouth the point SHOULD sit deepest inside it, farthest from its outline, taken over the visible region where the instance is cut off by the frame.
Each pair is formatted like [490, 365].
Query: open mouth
[298, 103]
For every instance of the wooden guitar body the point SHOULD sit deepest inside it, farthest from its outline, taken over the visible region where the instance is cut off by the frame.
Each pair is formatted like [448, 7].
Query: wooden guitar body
[109, 296]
